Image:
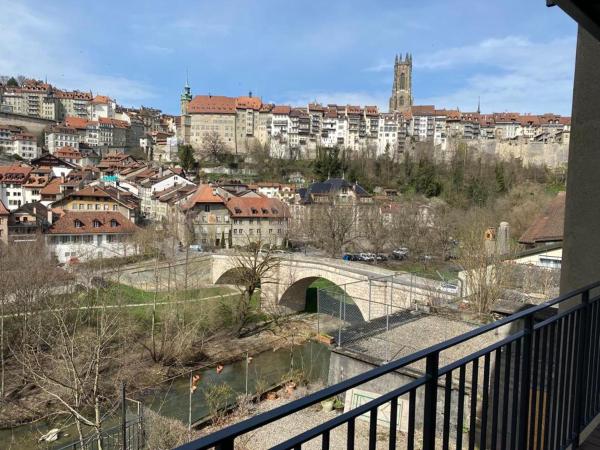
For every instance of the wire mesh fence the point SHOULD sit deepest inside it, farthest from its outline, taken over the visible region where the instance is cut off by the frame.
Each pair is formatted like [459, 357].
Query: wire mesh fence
[361, 316]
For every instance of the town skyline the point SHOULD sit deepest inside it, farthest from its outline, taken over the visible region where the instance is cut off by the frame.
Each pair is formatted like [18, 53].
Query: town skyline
[346, 67]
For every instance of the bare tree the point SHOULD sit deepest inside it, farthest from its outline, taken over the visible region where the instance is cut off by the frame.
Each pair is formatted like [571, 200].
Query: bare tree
[213, 146]
[253, 268]
[484, 271]
[375, 228]
[69, 358]
[333, 225]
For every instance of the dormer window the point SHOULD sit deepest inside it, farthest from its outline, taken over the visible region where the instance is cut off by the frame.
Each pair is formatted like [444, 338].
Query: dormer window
[78, 223]
[238, 210]
[254, 211]
[114, 223]
[265, 211]
[96, 223]
[274, 211]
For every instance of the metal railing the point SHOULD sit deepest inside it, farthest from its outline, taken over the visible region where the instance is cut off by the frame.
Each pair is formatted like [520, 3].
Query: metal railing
[537, 387]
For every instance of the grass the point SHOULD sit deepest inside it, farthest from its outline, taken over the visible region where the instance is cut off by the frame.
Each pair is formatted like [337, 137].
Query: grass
[322, 283]
[130, 295]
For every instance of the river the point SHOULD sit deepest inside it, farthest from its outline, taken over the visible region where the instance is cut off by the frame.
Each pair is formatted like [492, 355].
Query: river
[172, 398]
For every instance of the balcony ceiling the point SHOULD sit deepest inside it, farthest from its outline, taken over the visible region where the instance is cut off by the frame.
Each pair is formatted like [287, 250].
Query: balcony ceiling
[585, 12]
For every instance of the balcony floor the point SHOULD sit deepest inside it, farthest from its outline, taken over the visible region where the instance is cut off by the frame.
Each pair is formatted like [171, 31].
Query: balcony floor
[593, 441]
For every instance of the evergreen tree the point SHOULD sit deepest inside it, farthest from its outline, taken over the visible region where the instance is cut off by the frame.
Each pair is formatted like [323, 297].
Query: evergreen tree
[222, 239]
[186, 157]
[12, 82]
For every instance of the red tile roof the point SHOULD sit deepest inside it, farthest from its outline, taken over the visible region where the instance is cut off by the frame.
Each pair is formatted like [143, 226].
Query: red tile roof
[52, 188]
[67, 224]
[67, 152]
[257, 207]
[76, 122]
[204, 194]
[3, 210]
[16, 174]
[248, 103]
[101, 99]
[281, 109]
[549, 226]
[212, 104]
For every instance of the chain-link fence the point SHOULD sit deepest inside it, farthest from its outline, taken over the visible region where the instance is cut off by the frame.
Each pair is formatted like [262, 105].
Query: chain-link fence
[361, 316]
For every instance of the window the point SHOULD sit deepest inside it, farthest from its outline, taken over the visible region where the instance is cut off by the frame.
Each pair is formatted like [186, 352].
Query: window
[78, 223]
[114, 223]
[97, 207]
[96, 224]
[114, 207]
[206, 208]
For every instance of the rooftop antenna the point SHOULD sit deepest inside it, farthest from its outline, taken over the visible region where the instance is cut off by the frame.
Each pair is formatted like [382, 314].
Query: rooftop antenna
[187, 78]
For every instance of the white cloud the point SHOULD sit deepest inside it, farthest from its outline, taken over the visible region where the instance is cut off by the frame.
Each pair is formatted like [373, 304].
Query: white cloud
[34, 45]
[512, 73]
[380, 67]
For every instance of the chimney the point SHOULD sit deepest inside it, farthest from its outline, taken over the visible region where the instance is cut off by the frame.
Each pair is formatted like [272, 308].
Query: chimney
[50, 216]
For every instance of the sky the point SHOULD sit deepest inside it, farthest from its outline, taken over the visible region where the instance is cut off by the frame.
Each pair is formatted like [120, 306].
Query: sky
[515, 55]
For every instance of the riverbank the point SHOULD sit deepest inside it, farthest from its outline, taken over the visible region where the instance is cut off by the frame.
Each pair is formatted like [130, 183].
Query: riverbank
[166, 389]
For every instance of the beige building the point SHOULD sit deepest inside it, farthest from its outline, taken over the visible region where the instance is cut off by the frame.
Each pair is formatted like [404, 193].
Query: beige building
[212, 114]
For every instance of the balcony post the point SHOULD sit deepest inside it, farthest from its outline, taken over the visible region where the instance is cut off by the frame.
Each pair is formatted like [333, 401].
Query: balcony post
[526, 385]
[583, 348]
[430, 402]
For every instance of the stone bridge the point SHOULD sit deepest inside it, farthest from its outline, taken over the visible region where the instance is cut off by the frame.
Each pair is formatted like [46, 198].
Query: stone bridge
[372, 289]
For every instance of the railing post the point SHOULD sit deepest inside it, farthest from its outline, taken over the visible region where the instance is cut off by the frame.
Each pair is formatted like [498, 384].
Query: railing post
[583, 342]
[369, 299]
[123, 416]
[430, 402]
[226, 444]
[525, 388]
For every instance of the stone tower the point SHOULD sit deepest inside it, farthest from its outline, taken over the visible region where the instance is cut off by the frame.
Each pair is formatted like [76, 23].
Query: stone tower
[184, 131]
[401, 98]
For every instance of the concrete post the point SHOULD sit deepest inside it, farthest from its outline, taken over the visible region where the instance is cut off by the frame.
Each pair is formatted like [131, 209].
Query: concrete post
[581, 245]
[369, 299]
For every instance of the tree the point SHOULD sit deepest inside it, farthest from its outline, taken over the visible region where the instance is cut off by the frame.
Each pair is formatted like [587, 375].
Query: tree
[186, 157]
[74, 359]
[375, 229]
[12, 82]
[254, 268]
[333, 225]
[329, 163]
[213, 147]
[484, 270]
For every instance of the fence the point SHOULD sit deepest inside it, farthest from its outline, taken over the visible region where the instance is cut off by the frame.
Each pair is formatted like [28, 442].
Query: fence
[128, 435]
[390, 301]
[539, 389]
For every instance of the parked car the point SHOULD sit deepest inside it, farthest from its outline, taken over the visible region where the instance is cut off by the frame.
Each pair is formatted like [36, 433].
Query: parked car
[400, 253]
[381, 257]
[368, 257]
[196, 248]
[449, 288]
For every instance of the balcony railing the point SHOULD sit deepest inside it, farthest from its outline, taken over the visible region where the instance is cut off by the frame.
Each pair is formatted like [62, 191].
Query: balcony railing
[536, 387]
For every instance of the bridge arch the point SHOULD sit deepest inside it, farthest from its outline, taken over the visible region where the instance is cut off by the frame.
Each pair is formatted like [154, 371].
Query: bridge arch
[369, 294]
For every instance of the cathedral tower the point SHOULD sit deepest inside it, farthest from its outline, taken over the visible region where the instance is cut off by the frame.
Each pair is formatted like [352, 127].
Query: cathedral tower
[401, 98]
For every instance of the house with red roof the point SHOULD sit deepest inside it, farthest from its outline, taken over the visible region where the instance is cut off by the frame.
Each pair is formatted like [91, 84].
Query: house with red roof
[83, 235]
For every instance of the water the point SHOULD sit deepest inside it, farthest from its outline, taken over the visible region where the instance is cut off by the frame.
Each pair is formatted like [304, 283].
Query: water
[172, 398]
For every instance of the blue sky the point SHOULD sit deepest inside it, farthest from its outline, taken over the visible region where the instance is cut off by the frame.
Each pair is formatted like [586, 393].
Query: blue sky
[517, 55]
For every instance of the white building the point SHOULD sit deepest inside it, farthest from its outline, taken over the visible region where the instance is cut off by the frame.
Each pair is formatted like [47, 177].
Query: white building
[25, 146]
[60, 136]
